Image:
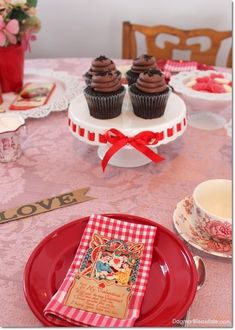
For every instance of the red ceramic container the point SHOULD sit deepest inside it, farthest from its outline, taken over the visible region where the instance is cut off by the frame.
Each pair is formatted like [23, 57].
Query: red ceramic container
[1, 99]
[11, 68]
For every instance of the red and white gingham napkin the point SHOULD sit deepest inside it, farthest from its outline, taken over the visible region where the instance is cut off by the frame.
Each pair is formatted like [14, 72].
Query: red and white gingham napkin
[172, 66]
[111, 229]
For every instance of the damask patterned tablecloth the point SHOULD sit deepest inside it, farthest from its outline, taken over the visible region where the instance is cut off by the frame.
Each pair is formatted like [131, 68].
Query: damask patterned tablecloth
[54, 162]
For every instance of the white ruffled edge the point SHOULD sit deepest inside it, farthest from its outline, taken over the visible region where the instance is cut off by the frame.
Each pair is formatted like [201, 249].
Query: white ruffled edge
[73, 87]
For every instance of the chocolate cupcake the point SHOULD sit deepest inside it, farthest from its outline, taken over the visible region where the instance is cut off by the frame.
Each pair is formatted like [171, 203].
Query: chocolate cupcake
[105, 95]
[149, 94]
[140, 64]
[99, 64]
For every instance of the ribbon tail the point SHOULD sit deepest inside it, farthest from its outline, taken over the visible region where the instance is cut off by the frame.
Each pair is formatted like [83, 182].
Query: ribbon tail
[147, 152]
[112, 150]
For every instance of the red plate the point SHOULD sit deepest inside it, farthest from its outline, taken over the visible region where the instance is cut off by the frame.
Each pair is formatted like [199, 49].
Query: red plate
[172, 280]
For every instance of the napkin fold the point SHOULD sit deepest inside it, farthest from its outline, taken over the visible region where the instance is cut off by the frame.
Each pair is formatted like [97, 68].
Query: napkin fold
[172, 66]
[106, 281]
[169, 67]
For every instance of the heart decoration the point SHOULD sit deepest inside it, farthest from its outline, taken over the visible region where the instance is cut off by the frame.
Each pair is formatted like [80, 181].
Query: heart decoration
[102, 285]
[116, 260]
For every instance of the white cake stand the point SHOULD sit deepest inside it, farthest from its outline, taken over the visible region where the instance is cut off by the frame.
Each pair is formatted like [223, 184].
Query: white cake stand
[92, 131]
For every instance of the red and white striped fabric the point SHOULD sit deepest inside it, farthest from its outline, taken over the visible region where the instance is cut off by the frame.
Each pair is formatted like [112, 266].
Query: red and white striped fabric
[111, 229]
[178, 66]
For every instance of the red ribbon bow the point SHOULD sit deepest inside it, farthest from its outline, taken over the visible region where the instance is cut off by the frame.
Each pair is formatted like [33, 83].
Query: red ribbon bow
[139, 142]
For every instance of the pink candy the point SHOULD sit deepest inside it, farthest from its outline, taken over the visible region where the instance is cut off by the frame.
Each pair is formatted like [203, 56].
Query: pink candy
[209, 85]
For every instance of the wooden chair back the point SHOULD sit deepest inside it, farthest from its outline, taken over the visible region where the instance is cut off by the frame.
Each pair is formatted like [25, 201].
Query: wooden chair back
[208, 56]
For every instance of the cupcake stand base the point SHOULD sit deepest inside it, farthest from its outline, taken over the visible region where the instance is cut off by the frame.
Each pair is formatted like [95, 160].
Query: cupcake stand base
[93, 131]
[126, 157]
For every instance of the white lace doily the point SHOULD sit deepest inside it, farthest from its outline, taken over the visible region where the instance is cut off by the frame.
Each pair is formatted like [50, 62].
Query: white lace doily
[67, 88]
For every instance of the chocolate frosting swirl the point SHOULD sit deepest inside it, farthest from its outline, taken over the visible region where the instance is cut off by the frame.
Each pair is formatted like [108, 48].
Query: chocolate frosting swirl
[105, 82]
[143, 63]
[151, 81]
[101, 63]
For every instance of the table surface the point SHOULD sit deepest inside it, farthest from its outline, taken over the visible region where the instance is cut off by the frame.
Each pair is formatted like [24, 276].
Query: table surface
[54, 162]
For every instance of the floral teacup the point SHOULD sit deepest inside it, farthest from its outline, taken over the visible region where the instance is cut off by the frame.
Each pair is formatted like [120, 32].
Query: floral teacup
[212, 209]
[11, 126]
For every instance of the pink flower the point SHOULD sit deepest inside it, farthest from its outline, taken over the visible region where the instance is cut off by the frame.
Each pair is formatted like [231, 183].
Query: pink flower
[219, 247]
[219, 230]
[6, 144]
[188, 205]
[8, 31]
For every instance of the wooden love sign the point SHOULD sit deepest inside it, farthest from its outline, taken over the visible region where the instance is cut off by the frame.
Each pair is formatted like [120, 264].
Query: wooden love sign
[45, 205]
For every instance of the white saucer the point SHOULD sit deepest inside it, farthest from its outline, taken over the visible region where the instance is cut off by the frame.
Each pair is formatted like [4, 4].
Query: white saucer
[182, 219]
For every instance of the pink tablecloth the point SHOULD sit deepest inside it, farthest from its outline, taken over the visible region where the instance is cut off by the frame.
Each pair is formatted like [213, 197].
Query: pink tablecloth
[55, 162]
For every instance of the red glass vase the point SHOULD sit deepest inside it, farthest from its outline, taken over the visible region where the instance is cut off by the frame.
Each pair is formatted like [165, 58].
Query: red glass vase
[11, 68]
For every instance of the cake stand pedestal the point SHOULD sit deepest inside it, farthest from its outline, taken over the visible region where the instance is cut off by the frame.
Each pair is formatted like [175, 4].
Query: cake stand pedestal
[94, 131]
[126, 157]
